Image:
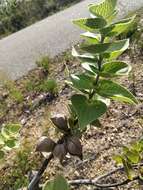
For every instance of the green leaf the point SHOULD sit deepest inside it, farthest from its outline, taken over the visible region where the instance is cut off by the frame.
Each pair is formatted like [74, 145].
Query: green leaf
[125, 150]
[1, 140]
[87, 57]
[87, 111]
[133, 156]
[118, 159]
[90, 24]
[109, 50]
[82, 81]
[137, 146]
[118, 27]
[5, 134]
[104, 9]
[102, 99]
[1, 154]
[109, 69]
[112, 16]
[110, 89]
[48, 185]
[92, 69]
[13, 128]
[115, 68]
[11, 143]
[59, 183]
[128, 169]
[91, 37]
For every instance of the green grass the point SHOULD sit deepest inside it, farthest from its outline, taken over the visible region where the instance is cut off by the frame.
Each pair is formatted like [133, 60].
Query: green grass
[45, 85]
[14, 92]
[43, 62]
[16, 175]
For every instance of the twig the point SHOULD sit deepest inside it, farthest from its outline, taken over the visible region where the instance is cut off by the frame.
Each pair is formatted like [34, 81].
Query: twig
[35, 181]
[95, 182]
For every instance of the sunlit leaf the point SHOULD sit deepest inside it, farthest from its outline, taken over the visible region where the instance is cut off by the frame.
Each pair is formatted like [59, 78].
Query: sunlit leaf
[110, 89]
[91, 37]
[137, 146]
[5, 133]
[128, 169]
[87, 111]
[133, 156]
[90, 24]
[118, 27]
[92, 69]
[109, 69]
[118, 159]
[115, 68]
[104, 9]
[112, 16]
[87, 57]
[109, 50]
[82, 81]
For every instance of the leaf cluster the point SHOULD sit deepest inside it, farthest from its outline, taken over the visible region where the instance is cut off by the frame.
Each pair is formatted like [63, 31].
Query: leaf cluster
[131, 155]
[99, 54]
[9, 136]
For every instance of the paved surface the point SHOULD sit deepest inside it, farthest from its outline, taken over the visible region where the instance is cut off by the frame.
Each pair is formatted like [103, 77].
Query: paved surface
[53, 35]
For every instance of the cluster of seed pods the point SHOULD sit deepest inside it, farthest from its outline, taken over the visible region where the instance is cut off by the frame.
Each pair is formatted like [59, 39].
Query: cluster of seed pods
[67, 144]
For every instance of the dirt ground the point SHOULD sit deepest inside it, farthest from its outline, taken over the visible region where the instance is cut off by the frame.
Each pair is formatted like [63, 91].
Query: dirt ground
[122, 125]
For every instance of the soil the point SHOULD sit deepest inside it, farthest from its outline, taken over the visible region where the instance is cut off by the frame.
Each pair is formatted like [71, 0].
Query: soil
[122, 125]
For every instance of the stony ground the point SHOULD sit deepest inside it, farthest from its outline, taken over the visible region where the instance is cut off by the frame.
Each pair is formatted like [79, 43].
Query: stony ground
[122, 125]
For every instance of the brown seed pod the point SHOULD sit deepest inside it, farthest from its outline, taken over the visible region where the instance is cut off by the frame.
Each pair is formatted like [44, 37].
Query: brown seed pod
[60, 151]
[74, 146]
[60, 121]
[45, 144]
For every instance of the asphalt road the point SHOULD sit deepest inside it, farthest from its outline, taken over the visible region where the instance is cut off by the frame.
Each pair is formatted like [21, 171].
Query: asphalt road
[51, 36]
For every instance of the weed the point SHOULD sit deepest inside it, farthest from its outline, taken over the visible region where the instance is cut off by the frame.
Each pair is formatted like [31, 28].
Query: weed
[45, 85]
[14, 93]
[48, 85]
[44, 63]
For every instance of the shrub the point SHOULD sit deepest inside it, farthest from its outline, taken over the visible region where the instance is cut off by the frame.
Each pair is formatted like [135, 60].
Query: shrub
[95, 87]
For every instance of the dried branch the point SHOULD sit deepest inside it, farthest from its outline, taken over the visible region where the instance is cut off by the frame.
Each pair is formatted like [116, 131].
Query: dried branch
[35, 181]
[95, 182]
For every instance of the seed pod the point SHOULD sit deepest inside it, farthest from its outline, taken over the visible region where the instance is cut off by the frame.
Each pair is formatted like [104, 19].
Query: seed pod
[45, 144]
[74, 147]
[60, 151]
[60, 121]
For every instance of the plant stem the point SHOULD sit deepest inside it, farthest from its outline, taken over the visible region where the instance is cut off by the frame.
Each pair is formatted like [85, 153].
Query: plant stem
[99, 63]
[35, 181]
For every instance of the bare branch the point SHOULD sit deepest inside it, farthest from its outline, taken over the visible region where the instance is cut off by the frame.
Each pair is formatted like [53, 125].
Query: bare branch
[95, 182]
[35, 181]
